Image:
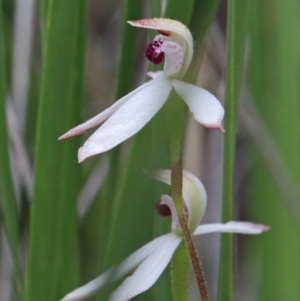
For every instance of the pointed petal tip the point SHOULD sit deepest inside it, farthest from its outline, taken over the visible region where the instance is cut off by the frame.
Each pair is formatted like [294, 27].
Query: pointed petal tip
[71, 133]
[64, 137]
[131, 22]
[83, 154]
[260, 227]
[248, 227]
[232, 227]
[217, 127]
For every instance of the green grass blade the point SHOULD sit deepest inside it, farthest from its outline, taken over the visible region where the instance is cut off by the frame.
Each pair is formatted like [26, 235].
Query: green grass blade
[53, 250]
[236, 35]
[203, 14]
[275, 85]
[179, 10]
[7, 194]
[156, 8]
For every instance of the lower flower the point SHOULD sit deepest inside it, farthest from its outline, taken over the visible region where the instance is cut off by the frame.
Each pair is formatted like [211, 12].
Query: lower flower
[149, 261]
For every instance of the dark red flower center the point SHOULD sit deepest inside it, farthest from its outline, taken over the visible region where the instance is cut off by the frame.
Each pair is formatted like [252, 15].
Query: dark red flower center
[162, 209]
[153, 52]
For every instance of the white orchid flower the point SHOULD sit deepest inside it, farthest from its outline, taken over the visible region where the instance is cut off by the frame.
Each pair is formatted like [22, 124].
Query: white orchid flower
[174, 46]
[149, 261]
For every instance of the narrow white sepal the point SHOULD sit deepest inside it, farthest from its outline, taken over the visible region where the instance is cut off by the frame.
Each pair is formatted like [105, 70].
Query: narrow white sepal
[205, 106]
[95, 121]
[138, 256]
[148, 271]
[232, 227]
[114, 274]
[132, 116]
[89, 289]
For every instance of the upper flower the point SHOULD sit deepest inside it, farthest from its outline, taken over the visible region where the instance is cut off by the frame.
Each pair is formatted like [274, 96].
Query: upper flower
[174, 46]
[150, 261]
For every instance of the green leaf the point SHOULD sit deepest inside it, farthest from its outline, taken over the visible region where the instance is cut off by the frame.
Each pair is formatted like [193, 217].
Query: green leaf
[7, 194]
[180, 10]
[236, 36]
[53, 249]
[274, 74]
[203, 14]
[180, 273]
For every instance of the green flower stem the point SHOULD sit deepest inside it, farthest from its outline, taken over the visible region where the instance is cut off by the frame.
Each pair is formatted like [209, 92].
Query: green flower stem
[274, 83]
[236, 28]
[201, 14]
[176, 125]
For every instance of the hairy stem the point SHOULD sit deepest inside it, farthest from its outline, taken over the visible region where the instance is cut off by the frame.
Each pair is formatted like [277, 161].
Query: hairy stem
[176, 191]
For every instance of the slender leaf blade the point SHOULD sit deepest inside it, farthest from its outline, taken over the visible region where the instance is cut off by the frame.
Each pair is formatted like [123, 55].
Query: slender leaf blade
[53, 250]
[7, 194]
[236, 37]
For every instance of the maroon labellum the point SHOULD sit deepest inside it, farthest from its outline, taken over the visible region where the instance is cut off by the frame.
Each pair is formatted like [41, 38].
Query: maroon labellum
[162, 209]
[154, 53]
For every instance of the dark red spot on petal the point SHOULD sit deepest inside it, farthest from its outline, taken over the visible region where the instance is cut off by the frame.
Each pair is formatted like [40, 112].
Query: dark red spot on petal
[162, 209]
[164, 32]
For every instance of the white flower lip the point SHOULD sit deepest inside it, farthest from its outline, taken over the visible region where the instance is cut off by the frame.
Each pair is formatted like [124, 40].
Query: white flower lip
[132, 112]
[150, 260]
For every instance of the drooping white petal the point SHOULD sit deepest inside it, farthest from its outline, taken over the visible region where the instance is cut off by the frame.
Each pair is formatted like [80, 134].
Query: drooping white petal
[148, 271]
[193, 193]
[97, 120]
[232, 227]
[133, 115]
[89, 289]
[114, 274]
[138, 256]
[205, 106]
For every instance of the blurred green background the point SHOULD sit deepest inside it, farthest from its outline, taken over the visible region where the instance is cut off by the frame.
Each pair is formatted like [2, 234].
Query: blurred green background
[62, 223]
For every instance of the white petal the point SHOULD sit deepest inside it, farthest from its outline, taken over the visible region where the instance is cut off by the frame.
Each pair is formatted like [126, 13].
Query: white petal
[98, 119]
[154, 74]
[133, 115]
[168, 201]
[195, 198]
[193, 193]
[148, 271]
[89, 289]
[138, 256]
[113, 274]
[206, 107]
[232, 227]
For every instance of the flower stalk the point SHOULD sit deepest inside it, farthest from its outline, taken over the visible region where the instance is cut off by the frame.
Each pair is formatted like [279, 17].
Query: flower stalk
[176, 192]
